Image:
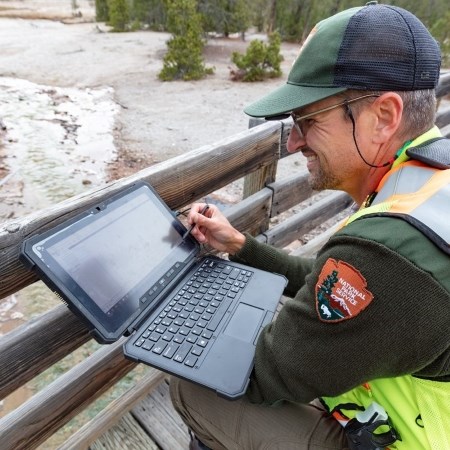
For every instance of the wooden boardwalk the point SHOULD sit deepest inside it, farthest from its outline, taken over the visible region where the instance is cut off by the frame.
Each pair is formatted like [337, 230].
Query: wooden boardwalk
[152, 424]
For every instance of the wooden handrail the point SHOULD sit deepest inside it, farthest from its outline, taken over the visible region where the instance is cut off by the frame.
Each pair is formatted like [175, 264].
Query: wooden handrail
[179, 181]
[36, 345]
[443, 117]
[39, 417]
[310, 218]
[443, 87]
[112, 413]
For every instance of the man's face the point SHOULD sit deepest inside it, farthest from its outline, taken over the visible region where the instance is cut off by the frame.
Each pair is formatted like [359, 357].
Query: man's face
[326, 140]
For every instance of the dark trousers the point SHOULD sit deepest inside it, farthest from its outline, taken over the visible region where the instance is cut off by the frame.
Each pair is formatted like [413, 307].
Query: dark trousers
[240, 425]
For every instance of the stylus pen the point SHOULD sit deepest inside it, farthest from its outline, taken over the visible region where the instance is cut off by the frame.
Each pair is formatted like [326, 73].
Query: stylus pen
[188, 232]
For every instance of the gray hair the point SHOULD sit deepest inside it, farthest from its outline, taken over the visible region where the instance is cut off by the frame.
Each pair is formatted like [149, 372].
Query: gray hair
[419, 110]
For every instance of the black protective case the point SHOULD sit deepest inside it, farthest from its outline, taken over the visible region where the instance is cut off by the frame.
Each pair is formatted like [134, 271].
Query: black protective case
[33, 263]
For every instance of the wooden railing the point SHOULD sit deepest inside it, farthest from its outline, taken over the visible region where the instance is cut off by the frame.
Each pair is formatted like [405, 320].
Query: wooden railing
[37, 345]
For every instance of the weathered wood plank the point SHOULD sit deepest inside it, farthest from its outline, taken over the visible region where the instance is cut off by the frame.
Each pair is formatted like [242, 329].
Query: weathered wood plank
[303, 222]
[37, 419]
[209, 168]
[287, 126]
[256, 180]
[125, 435]
[157, 416]
[107, 418]
[179, 181]
[33, 347]
[310, 249]
[290, 192]
[252, 213]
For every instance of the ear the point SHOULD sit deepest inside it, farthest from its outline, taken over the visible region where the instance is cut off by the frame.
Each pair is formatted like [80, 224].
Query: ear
[388, 109]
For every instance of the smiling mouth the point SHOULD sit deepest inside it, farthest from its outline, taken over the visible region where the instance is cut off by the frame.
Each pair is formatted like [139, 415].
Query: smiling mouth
[311, 158]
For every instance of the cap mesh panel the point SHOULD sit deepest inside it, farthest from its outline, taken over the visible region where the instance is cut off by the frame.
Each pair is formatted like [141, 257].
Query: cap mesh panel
[385, 51]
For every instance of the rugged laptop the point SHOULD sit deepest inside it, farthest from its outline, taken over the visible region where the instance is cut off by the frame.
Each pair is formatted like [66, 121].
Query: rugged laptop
[126, 267]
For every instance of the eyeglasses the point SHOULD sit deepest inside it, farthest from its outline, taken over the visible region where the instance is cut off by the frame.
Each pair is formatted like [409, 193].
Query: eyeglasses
[301, 122]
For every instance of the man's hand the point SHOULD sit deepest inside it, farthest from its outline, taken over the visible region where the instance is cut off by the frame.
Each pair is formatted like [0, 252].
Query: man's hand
[214, 229]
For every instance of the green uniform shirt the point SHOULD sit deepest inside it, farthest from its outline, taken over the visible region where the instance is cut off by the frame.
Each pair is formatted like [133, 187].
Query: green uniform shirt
[404, 330]
[402, 327]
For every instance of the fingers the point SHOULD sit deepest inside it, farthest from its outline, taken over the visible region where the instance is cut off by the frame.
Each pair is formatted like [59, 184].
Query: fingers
[208, 223]
[197, 207]
[199, 231]
[198, 211]
[196, 217]
[211, 227]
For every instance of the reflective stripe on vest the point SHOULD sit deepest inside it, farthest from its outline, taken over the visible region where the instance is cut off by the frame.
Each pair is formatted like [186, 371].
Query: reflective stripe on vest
[419, 409]
[418, 194]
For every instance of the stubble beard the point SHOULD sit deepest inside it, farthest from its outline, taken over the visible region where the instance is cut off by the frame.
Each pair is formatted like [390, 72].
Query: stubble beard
[322, 179]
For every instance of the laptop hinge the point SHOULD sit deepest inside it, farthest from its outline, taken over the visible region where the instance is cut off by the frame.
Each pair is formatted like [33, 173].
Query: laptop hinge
[165, 286]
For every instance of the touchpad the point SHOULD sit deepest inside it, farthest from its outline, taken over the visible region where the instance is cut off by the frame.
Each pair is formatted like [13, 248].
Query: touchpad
[244, 323]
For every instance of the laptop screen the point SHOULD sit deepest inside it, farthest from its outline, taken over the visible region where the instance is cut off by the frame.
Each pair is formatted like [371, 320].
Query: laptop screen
[116, 258]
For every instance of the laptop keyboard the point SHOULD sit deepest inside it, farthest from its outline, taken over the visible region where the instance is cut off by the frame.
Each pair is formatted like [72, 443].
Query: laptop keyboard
[183, 329]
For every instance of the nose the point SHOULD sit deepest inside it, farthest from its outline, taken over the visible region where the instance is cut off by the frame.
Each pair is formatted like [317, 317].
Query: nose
[295, 141]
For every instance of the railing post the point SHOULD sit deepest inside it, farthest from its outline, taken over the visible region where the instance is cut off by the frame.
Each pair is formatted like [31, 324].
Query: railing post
[257, 180]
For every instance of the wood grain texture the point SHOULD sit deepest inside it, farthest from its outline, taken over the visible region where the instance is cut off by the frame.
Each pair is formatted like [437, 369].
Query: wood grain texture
[38, 418]
[306, 220]
[179, 181]
[33, 347]
[127, 434]
[110, 416]
[157, 416]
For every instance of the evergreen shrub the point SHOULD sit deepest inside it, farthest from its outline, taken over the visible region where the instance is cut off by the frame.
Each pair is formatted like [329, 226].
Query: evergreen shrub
[261, 60]
[119, 15]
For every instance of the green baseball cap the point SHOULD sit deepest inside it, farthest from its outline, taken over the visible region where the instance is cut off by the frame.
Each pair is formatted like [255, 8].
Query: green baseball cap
[374, 47]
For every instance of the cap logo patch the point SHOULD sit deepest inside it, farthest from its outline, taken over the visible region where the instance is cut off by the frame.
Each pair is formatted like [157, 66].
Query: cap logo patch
[341, 292]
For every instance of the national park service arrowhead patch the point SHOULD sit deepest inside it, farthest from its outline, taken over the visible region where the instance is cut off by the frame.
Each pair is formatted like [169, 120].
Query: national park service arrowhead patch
[341, 292]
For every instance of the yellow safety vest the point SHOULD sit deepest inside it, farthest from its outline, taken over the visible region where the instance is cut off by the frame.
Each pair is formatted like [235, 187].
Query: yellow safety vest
[418, 409]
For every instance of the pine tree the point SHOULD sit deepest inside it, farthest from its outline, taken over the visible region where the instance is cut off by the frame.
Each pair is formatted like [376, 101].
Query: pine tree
[184, 59]
[149, 12]
[101, 11]
[225, 16]
[118, 14]
[440, 30]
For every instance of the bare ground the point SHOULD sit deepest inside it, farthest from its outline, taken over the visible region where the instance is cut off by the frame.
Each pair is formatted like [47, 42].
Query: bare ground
[156, 120]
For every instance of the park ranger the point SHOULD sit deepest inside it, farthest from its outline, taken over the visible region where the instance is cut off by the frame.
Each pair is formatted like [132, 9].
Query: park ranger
[359, 357]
